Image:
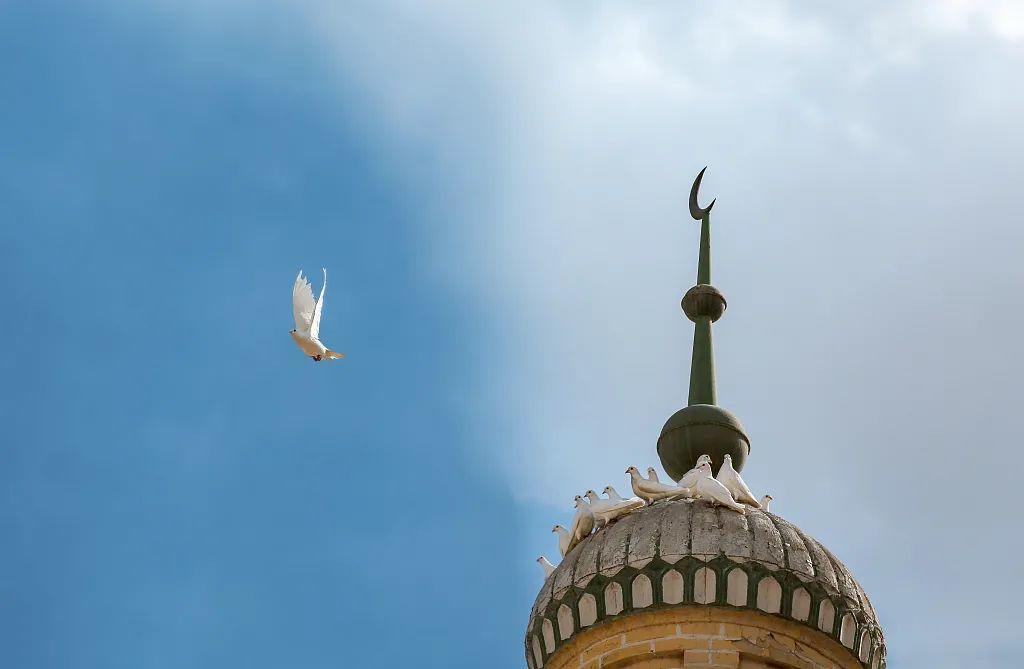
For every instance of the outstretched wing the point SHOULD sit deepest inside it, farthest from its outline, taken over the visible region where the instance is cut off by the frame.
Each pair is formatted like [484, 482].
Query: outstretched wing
[314, 326]
[303, 305]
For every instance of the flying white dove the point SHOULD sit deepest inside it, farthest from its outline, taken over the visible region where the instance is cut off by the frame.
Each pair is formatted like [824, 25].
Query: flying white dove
[652, 491]
[652, 475]
[582, 523]
[564, 539]
[545, 565]
[610, 510]
[708, 488]
[732, 480]
[691, 477]
[307, 319]
[765, 501]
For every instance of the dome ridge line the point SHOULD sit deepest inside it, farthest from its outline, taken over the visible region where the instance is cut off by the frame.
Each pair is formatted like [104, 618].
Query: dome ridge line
[689, 529]
[846, 582]
[817, 553]
[782, 540]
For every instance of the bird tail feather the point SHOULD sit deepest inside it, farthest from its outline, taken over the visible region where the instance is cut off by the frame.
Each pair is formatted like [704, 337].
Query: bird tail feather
[334, 355]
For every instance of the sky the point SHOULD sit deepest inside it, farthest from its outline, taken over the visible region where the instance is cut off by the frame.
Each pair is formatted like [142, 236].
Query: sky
[499, 196]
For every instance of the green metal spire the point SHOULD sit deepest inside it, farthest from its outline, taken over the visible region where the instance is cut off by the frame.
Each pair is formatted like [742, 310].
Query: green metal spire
[704, 259]
[704, 310]
[702, 427]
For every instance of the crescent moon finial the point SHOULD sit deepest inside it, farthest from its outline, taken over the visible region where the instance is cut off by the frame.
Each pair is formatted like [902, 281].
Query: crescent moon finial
[695, 209]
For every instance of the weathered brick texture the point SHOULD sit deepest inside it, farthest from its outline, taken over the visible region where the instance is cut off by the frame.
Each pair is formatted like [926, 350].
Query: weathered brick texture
[701, 637]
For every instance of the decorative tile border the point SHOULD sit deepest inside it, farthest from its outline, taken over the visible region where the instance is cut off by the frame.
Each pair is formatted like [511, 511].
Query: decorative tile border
[720, 581]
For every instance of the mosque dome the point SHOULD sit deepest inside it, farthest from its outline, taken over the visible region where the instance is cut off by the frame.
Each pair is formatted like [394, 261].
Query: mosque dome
[678, 554]
[688, 583]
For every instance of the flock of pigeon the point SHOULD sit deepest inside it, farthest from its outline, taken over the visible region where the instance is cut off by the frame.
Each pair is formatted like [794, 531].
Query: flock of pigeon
[594, 512]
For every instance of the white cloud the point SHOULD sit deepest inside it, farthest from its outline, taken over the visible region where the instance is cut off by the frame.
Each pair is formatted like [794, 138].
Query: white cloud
[865, 161]
[1002, 18]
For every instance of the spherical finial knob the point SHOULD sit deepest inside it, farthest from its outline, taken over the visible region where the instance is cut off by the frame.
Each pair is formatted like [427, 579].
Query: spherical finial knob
[703, 301]
[701, 429]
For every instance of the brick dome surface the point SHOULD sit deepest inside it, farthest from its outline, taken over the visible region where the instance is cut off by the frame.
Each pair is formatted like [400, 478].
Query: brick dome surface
[689, 553]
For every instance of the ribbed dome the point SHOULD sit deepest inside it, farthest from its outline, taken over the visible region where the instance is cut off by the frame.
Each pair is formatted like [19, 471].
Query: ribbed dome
[685, 553]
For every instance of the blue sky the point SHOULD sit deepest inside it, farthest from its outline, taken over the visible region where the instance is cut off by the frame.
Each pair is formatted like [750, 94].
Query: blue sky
[180, 486]
[499, 197]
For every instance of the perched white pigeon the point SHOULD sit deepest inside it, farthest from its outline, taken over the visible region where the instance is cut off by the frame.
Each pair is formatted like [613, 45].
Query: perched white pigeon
[545, 565]
[599, 520]
[614, 495]
[652, 475]
[582, 523]
[691, 477]
[765, 501]
[652, 491]
[307, 314]
[732, 480]
[710, 489]
[610, 510]
[564, 538]
[628, 505]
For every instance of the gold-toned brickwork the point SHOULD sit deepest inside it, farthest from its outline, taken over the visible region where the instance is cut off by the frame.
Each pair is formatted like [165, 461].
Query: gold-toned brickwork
[701, 637]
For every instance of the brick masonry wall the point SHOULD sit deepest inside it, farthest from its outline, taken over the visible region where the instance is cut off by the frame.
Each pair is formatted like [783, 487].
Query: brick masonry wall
[701, 638]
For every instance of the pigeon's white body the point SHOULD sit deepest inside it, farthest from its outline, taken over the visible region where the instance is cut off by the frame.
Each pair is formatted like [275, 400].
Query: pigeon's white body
[765, 502]
[623, 506]
[652, 475]
[599, 520]
[545, 565]
[307, 312]
[564, 539]
[732, 480]
[652, 491]
[610, 510]
[710, 489]
[311, 347]
[691, 477]
[582, 523]
[614, 496]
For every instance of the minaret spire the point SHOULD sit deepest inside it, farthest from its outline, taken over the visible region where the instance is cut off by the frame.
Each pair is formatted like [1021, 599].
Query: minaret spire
[702, 427]
[704, 216]
[704, 306]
